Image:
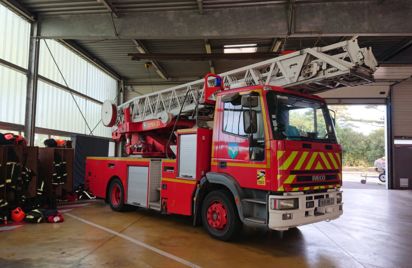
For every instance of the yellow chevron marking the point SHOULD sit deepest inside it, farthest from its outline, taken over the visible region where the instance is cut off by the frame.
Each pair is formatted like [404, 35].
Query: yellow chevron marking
[301, 160]
[288, 161]
[295, 189]
[290, 179]
[280, 154]
[281, 188]
[338, 156]
[312, 159]
[325, 161]
[306, 188]
[315, 187]
[322, 187]
[279, 177]
[330, 186]
[319, 166]
[335, 165]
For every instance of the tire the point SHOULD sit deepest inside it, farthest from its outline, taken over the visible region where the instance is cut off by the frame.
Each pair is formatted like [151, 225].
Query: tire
[382, 177]
[116, 196]
[219, 216]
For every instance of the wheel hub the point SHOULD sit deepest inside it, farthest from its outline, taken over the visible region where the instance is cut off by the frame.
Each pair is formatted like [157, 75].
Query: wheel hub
[217, 216]
[115, 196]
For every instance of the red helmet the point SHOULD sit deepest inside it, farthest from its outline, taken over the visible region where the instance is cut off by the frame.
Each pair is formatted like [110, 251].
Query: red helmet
[17, 215]
[9, 136]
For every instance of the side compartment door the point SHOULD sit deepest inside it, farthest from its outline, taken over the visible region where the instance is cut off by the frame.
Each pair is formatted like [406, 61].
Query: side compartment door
[137, 189]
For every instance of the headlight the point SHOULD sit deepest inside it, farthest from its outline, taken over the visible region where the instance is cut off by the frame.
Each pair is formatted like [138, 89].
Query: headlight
[339, 198]
[284, 204]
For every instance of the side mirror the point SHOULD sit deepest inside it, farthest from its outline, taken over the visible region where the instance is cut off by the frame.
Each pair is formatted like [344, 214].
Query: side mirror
[249, 122]
[250, 101]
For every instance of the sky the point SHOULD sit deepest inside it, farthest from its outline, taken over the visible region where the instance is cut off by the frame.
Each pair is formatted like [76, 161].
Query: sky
[364, 112]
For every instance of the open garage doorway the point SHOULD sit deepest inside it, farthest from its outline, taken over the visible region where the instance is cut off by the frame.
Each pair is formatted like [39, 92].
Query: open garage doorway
[361, 132]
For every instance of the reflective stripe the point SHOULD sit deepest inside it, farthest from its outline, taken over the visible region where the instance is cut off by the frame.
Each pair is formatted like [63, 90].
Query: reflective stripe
[290, 179]
[312, 159]
[280, 154]
[301, 160]
[338, 157]
[325, 161]
[186, 181]
[319, 166]
[332, 158]
[288, 161]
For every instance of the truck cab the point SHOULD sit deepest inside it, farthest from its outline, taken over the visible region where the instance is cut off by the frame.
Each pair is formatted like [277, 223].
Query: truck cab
[281, 149]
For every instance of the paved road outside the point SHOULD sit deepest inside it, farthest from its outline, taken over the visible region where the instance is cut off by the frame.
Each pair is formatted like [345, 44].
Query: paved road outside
[352, 179]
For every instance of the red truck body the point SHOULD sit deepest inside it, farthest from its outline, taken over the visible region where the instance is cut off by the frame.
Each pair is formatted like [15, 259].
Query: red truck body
[224, 177]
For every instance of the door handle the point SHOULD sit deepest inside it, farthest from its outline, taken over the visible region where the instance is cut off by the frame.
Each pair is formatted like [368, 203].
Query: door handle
[222, 164]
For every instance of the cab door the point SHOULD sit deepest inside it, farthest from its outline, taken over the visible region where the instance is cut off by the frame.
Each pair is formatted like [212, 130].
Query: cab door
[240, 151]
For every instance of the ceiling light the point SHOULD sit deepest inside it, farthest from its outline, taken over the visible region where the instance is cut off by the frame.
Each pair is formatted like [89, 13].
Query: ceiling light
[240, 48]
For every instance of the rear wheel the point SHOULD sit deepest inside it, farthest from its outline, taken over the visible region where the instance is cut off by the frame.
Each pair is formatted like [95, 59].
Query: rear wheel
[219, 216]
[116, 195]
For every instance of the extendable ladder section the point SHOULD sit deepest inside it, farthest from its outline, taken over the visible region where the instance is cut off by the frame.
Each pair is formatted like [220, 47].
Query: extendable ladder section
[311, 70]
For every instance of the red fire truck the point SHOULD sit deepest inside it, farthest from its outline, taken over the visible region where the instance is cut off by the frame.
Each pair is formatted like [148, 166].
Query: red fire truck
[236, 148]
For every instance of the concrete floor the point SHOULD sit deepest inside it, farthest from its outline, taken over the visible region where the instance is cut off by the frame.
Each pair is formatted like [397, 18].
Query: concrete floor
[375, 231]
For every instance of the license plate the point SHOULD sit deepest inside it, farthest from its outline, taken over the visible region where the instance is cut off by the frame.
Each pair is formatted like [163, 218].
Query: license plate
[326, 202]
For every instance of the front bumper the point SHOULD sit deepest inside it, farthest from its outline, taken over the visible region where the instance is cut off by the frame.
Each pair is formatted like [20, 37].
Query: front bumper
[303, 215]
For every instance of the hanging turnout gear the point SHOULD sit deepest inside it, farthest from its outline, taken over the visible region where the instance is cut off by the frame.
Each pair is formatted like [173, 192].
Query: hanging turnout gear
[83, 194]
[59, 173]
[34, 216]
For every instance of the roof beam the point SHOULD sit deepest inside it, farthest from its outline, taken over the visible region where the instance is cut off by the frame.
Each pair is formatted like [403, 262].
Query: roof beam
[202, 57]
[347, 18]
[276, 45]
[208, 48]
[200, 6]
[17, 7]
[109, 7]
[143, 50]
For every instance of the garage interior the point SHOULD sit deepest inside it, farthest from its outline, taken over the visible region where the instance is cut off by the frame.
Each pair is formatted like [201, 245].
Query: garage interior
[60, 60]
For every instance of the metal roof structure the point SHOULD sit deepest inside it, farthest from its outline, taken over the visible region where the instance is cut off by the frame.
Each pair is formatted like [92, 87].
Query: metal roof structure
[112, 51]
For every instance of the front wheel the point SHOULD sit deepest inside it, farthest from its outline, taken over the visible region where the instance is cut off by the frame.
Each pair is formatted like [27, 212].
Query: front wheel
[116, 195]
[219, 216]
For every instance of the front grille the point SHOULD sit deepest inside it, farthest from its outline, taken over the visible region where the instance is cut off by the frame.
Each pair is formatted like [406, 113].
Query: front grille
[309, 178]
[313, 184]
[313, 172]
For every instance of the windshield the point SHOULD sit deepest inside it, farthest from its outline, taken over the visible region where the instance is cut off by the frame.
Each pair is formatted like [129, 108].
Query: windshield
[298, 118]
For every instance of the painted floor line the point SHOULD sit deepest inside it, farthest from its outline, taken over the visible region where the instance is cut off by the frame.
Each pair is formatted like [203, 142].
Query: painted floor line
[135, 241]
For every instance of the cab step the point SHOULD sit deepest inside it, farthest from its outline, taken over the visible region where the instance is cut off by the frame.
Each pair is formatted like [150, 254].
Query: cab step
[256, 220]
[155, 205]
[255, 201]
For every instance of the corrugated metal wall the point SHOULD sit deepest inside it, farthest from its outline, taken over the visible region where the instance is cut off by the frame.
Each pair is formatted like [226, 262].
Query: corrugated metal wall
[56, 108]
[402, 109]
[14, 47]
[12, 95]
[14, 38]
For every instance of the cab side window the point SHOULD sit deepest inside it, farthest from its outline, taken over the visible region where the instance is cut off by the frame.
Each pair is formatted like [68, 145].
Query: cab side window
[233, 124]
[233, 119]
